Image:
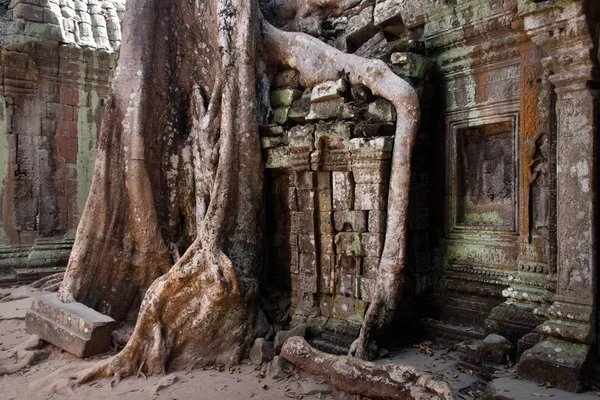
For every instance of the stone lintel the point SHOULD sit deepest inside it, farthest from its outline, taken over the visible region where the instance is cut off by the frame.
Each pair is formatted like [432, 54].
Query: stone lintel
[72, 327]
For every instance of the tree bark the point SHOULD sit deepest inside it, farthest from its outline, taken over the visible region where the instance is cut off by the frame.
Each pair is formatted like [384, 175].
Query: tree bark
[355, 376]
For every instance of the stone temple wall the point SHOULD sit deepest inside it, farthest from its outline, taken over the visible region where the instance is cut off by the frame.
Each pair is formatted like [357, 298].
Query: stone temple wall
[503, 209]
[327, 152]
[55, 66]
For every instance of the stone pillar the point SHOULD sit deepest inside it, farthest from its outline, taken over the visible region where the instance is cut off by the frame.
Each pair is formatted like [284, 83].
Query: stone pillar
[563, 34]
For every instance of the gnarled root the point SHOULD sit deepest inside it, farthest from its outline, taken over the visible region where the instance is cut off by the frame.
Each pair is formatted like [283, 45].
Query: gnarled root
[23, 356]
[355, 376]
[49, 283]
[194, 315]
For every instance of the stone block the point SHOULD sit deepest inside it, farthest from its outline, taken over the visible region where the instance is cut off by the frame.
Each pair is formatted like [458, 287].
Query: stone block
[287, 78]
[282, 336]
[349, 265]
[377, 221]
[305, 221]
[348, 244]
[284, 97]
[277, 158]
[262, 351]
[299, 110]
[270, 142]
[343, 191]
[306, 199]
[381, 111]
[308, 265]
[355, 221]
[308, 283]
[370, 196]
[300, 139]
[325, 223]
[272, 130]
[346, 309]
[325, 110]
[361, 28]
[495, 348]
[334, 136]
[292, 199]
[280, 115]
[370, 267]
[387, 12]
[326, 305]
[329, 90]
[379, 173]
[304, 180]
[372, 244]
[306, 243]
[326, 244]
[346, 285]
[72, 327]
[324, 200]
[323, 180]
[294, 262]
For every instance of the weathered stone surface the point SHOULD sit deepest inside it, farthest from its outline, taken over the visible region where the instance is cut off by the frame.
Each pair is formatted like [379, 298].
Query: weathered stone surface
[354, 221]
[71, 326]
[279, 368]
[262, 351]
[495, 348]
[284, 97]
[329, 90]
[287, 78]
[381, 111]
[324, 110]
[343, 191]
[282, 336]
[361, 28]
[556, 361]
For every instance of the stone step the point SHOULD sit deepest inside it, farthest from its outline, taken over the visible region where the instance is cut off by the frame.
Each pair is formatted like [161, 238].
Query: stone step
[73, 327]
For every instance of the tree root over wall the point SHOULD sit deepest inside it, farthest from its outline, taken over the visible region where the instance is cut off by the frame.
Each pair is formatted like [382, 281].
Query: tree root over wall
[355, 376]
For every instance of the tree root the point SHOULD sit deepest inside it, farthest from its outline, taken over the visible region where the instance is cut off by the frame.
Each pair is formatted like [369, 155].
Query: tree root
[49, 283]
[355, 376]
[23, 356]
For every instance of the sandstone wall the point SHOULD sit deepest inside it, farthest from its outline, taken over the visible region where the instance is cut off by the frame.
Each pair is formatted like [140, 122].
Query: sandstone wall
[55, 66]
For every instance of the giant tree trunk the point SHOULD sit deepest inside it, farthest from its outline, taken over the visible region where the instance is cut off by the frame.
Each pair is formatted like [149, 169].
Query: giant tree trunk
[179, 167]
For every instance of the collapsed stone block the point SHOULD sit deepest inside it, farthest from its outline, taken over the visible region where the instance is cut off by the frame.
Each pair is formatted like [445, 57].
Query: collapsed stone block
[329, 90]
[73, 327]
[299, 110]
[262, 351]
[282, 336]
[495, 348]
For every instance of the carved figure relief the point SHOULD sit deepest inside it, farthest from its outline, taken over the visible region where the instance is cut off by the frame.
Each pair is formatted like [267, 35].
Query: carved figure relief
[539, 187]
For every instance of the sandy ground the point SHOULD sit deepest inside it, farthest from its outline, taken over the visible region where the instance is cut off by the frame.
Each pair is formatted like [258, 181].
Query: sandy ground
[50, 378]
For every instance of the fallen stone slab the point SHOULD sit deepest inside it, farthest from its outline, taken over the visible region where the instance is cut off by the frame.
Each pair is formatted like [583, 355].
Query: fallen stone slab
[358, 377]
[282, 336]
[72, 327]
